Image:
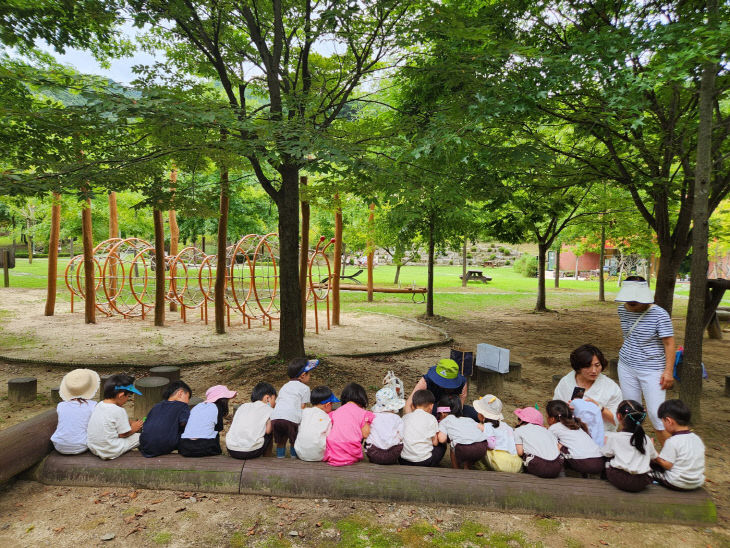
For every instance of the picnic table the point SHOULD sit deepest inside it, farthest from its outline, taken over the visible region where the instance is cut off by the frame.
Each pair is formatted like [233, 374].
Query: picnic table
[476, 275]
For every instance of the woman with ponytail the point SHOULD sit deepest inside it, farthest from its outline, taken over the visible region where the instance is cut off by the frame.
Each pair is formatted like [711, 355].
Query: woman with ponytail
[582, 454]
[631, 450]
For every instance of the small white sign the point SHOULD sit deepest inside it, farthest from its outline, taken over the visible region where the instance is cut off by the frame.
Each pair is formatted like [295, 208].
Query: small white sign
[493, 358]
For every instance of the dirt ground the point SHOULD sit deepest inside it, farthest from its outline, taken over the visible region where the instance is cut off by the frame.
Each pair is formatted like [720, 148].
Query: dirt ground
[31, 513]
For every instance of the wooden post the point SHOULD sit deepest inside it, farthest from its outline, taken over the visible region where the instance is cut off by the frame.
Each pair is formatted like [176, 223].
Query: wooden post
[89, 264]
[174, 233]
[515, 372]
[56, 395]
[53, 255]
[556, 380]
[220, 271]
[170, 372]
[26, 443]
[113, 216]
[22, 389]
[304, 253]
[6, 267]
[488, 382]
[727, 386]
[159, 269]
[371, 251]
[337, 267]
[557, 264]
[152, 389]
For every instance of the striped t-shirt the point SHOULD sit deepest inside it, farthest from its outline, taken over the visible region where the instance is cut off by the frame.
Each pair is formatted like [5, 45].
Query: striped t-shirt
[643, 348]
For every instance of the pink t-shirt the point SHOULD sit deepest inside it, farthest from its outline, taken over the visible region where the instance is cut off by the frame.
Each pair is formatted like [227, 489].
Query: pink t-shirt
[344, 442]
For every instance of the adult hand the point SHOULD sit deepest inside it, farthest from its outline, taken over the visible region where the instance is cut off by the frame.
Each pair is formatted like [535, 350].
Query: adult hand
[667, 380]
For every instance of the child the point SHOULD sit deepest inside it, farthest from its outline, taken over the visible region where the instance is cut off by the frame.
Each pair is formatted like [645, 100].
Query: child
[468, 440]
[504, 457]
[110, 432]
[201, 436]
[631, 450]
[421, 446]
[682, 459]
[385, 442]
[582, 454]
[316, 424]
[293, 397]
[350, 425]
[166, 421]
[536, 445]
[249, 436]
[77, 389]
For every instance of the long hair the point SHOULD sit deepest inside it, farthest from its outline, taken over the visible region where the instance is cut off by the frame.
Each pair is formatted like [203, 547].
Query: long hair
[633, 414]
[453, 402]
[559, 410]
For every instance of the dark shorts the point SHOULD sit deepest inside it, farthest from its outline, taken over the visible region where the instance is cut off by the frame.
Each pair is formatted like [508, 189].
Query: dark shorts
[594, 465]
[627, 481]
[376, 455]
[202, 447]
[256, 453]
[437, 456]
[469, 454]
[284, 431]
[545, 468]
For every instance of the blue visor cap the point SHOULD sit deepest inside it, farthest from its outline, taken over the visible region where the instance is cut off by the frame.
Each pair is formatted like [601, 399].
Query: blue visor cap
[129, 388]
[331, 399]
[311, 364]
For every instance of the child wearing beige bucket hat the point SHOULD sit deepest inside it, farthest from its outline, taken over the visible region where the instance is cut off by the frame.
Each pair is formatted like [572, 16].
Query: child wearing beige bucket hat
[503, 458]
[77, 389]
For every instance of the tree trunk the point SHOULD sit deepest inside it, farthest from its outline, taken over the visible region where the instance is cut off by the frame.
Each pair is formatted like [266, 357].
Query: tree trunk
[542, 249]
[291, 333]
[113, 216]
[371, 251]
[666, 276]
[431, 249]
[159, 269]
[463, 262]
[337, 263]
[89, 264]
[397, 273]
[691, 374]
[602, 258]
[174, 233]
[29, 241]
[649, 260]
[304, 255]
[220, 271]
[557, 264]
[53, 254]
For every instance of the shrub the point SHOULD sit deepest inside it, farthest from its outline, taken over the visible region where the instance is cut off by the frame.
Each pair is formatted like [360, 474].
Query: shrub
[507, 252]
[506, 263]
[527, 266]
[501, 250]
[451, 262]
[473, 248]
[492, 257]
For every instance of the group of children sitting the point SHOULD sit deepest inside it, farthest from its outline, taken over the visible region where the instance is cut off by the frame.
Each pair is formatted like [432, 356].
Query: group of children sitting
[626, 458]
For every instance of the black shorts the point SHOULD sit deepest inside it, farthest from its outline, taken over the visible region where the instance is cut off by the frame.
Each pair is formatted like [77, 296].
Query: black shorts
[284, 431]
[201, 447]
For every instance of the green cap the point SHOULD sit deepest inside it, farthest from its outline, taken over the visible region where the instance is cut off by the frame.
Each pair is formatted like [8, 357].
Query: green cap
[448, 369]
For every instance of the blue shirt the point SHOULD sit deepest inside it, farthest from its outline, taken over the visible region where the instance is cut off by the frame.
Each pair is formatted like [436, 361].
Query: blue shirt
[161, 431]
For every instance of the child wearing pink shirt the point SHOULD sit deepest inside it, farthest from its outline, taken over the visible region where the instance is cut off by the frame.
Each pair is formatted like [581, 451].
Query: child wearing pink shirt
[350, 425]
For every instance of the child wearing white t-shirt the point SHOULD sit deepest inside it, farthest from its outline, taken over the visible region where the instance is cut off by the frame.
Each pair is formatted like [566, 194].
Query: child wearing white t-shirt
[504, 457]
[292, 398]
[110, 433]
[316, 424]
[582, 454]
[249, 436]
[681, 462]
[467, 438]
[76, 390]
[420, 433]
[536, 445]
[385, 442]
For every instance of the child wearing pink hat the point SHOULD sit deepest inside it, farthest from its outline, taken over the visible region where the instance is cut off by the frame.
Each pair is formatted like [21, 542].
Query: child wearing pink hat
[536, 445]
[201, 437]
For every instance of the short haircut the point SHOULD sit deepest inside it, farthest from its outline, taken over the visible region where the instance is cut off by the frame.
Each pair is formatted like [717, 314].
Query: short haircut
[582, 357]
[353, 392]
[262, 389]
[116, 380]
[677, 410]
[423, 397]
[320, 394]
[295, 366]
[173, 387]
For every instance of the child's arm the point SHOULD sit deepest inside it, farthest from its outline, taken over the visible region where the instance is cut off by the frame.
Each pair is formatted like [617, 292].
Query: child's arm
[663, 463]
[435, 440]
[269, 428]
[135, 427]
[442, 437]
[518, 448]
[365, 430]
[481, 426]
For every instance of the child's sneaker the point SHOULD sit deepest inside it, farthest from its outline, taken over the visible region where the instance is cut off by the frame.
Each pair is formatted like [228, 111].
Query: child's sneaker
[280, 452]
[293, 453]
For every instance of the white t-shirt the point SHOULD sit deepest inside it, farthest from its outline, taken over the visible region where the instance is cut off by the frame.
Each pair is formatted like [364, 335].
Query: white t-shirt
[625, 456]
[687, 454]
[289, 402]
[462, 430]
[107, 421]
[202, 421]
[248, 428]
[419, 428]
[579, 443]
[386, 431]
[504, 436]
[312, 437]
[73, 421]
[537, 441]
[606, 392]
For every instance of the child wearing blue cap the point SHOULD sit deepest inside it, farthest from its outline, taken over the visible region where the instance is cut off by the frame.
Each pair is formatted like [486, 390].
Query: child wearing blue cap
[293, 397]
[110, 433]
[316, 424]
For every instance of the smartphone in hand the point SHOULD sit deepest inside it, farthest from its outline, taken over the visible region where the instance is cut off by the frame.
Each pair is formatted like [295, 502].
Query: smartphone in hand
[578, 392]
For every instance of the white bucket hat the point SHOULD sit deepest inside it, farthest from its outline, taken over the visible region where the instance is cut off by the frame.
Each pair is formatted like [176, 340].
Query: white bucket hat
[490, 406]
[79, 383]
[635, 291]
[387, 400]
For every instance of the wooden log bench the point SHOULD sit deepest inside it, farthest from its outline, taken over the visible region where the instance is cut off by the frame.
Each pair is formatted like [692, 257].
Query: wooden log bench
[294, 478]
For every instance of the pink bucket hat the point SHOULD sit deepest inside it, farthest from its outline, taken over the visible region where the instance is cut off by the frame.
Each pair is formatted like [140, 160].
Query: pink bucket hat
[217, 392]
[530, 414]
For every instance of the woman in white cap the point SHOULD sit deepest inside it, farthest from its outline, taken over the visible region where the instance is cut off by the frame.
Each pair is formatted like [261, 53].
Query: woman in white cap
[646, 359]
[77, 389]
